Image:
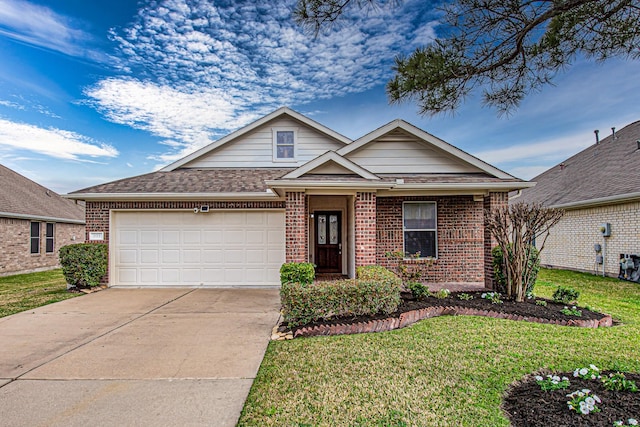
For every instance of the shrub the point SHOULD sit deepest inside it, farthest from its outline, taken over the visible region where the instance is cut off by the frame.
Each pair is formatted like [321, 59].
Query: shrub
[442, 293]
[84, 264]
[375, 272]
[410, 267]
[418, 290]
[300, 272]
[302, 304]
[565, 295]
[501, 277]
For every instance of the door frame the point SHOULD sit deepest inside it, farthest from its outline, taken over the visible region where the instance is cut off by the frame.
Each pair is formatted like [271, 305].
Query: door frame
[341, 248]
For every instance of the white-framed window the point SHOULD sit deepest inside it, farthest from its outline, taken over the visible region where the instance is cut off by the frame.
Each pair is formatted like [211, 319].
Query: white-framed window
[50, 244]
[35, 238]
[420, 228]
[284, 144]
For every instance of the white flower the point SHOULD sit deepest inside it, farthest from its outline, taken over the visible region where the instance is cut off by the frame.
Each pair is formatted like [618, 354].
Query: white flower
[584, 371]
[585, 390]
[565, 379]
[590, 400]
[539, 378]
[617, 423]
[632, 422]
[592, 366]
[597, 399]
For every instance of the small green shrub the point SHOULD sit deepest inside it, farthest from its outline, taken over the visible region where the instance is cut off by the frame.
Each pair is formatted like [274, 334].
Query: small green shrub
[465, 297]
[500, 275]
[571, 311]
[84, 264]
[442, 293]
[618, 382]
[300, 272]
[565, 295]
[418, 290]
[494, 297]
[302, 304]
[541, 302]
[375, 272]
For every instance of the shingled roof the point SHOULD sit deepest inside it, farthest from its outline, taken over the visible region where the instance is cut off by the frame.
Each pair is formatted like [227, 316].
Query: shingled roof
[216, 180]
[22, 198]
[606, 171]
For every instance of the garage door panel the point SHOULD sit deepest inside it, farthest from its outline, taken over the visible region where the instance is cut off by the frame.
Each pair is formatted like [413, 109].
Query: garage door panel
[218, 248]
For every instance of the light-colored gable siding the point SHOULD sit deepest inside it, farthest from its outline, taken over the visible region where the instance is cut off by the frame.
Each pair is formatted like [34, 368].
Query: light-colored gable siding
[255, 149]
[330, 168]
[400, 152]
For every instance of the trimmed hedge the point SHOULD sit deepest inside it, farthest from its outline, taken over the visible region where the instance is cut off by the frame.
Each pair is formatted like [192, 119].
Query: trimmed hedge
[376, 272]
[303, 304]
[300, 272]
[84, 264]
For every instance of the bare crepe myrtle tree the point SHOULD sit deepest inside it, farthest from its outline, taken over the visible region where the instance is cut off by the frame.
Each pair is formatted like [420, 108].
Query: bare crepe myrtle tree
[517, 228]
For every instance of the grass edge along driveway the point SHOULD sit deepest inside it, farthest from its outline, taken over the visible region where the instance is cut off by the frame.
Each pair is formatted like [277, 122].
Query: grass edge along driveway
[445, 371]
[24, 292]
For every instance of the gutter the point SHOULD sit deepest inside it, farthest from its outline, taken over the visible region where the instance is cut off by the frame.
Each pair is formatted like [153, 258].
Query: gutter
[41, 218]
[618, 198]
[267, 195]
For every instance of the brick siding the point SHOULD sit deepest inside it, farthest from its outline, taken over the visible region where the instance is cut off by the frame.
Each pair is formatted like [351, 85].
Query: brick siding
[296, 227]
[570, 244]
[460, 237]
[365, 228]
[492, 201]
[15, 250]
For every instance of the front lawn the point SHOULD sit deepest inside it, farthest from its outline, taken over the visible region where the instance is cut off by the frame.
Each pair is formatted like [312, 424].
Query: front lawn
[446, 371]
[27, 291]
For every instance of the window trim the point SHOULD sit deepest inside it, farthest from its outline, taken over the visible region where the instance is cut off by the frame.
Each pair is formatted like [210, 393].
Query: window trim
[50, 238]
[435, 229]
[36, 238]
[275, 131]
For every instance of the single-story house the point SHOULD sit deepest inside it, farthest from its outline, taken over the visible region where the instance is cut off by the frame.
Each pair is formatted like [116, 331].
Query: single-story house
[599, 189]
[288, 189]
[35, 223]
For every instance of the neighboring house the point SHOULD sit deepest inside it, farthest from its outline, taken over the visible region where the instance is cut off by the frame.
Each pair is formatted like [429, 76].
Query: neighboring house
[286, 188]
[34, 224]
[600, 185]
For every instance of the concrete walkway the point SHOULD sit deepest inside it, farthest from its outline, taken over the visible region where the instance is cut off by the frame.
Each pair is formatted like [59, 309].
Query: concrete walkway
[135, 357]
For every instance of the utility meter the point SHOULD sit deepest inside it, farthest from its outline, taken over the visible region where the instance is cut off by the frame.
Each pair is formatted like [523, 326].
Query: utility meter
[605, 229]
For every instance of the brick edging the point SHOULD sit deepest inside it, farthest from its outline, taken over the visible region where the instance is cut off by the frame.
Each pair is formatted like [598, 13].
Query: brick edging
[413, 316]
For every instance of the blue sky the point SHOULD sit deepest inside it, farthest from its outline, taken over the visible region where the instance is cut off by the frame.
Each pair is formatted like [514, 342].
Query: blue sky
[96, 91]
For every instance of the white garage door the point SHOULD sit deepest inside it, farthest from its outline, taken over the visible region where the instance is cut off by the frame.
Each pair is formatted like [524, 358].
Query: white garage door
[218, 248]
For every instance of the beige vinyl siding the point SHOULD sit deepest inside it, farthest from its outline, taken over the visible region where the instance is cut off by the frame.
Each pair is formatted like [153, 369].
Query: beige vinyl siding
[256, 148]
[398, 152]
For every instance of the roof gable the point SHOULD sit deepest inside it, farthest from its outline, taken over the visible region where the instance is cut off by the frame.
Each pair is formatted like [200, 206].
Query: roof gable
[252, 145]
[399, 147]
[22, 198]
[330, 163]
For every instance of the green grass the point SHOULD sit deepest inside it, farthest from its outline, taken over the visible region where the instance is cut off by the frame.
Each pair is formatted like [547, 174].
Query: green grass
[27, 291]
[446, 371]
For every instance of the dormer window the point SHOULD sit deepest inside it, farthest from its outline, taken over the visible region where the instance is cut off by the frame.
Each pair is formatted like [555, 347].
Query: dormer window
[284, 145]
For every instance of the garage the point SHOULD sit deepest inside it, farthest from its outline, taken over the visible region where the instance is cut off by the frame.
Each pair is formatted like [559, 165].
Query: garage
[186, 249]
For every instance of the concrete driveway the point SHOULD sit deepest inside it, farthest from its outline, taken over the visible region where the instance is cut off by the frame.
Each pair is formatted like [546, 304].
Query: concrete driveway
[135, 357]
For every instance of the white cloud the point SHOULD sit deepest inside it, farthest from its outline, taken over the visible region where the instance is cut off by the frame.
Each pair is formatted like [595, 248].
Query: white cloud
[204, 65]
[51, 142]
[42, 27]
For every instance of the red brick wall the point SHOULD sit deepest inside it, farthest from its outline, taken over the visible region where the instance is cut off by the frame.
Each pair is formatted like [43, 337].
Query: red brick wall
[15, 245]
[296, 227]
[460, 237]
[97, 213]
[365, 228]
[493, 200]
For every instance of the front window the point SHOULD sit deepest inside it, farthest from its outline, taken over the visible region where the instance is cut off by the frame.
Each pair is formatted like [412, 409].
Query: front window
[420, 229]
[284, 145]
[50, 234]
[35, 237]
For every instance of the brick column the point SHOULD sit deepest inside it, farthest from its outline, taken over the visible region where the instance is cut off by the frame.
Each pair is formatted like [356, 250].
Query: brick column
[297, 229]
[492, 201]
[365, 228]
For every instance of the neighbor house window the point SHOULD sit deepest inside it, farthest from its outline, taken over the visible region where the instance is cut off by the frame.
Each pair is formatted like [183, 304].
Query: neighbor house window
[284, 145]
[35, 237]
[50, 242]
[420, 229]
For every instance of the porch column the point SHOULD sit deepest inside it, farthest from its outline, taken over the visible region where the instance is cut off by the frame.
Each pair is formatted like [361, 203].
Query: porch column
[296, 227]
[492, 201]
[365, 228]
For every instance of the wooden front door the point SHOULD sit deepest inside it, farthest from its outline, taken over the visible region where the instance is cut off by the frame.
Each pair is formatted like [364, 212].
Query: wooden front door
[328, 242]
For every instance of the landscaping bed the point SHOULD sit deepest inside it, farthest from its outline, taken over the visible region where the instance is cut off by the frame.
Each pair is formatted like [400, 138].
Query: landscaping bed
[412, 310]
[527, 405]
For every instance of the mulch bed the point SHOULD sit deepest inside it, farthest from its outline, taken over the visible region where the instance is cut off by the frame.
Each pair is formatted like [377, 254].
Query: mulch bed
[411, 310]
[528, 406]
